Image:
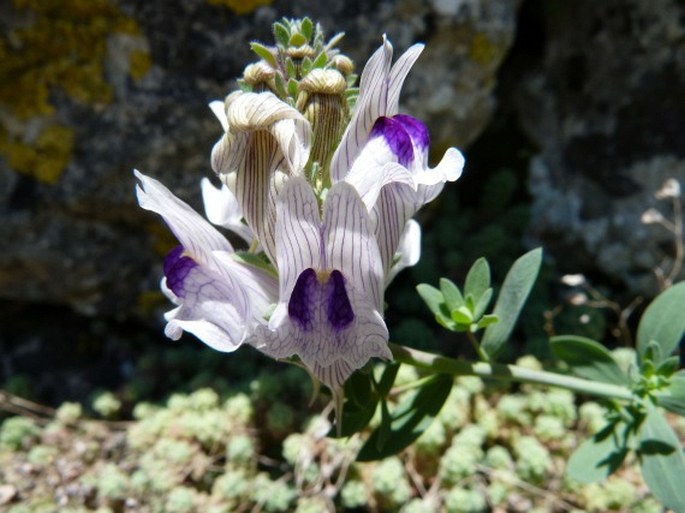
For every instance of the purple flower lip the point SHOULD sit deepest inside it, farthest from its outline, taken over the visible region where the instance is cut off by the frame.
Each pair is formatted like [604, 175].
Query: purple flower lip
[416, 129]
[309, 294]
[396, 137]
[176, 269]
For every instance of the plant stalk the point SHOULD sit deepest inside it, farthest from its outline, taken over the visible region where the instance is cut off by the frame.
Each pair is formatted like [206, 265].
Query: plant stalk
[505, 372]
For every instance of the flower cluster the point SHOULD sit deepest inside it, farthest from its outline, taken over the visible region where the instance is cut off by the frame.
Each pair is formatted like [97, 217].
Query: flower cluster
[321, 181]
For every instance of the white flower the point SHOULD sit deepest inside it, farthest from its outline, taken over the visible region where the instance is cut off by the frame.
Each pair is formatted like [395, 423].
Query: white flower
[264, 135]
[220, 301]
[331, 284]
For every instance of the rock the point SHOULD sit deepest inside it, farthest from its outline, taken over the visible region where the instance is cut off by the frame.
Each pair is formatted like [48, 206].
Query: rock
[128, 86]
[606, 106]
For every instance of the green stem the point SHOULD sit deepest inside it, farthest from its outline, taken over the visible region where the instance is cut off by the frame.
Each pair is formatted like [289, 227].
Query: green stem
[476, 346]
[506, 372]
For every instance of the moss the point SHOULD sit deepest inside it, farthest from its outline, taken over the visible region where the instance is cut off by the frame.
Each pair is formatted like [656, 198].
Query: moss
[240, 7]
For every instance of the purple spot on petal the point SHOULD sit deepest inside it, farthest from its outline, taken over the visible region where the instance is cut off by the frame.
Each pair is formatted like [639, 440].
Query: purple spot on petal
[397, 138]
[300, 305]
[338, 310]
[176, 268]
[416, 130]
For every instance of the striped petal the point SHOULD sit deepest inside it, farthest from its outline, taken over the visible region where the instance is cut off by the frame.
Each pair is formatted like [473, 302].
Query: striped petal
[379, 90]
[331, 284]
[265, 135]
[195, 234]
[349, 242]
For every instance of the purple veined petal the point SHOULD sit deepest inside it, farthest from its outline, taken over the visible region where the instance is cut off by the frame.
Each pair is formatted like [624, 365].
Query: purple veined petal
[394, 134]
[210, 309]
[219, 109]
[418, 133]
[222, 209]
[398, 74]
[194, 233]
[409, 250]
[370, 105]
[298, 233]
[369, 178]
[349, 243]
[332, 327]
[260, 285]
[395, 206]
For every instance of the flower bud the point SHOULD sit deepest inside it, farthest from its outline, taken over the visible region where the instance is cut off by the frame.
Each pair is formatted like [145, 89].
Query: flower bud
[260, 76]
[343, 64]
[322, 102]
[669, 189]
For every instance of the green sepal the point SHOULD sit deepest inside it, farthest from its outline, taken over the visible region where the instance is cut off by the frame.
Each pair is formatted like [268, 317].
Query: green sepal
[281, 34]
[263, 53]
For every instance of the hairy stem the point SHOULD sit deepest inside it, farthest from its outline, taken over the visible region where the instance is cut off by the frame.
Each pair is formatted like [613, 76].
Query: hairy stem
[442, 364]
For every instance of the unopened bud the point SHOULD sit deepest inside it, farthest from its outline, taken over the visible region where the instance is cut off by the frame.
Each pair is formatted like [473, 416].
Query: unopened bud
[300, 52]
[343, 64]
[577, 299]
[259, 74]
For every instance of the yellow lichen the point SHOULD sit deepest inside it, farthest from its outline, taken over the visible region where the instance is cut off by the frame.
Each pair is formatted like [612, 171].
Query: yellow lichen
[484, 51]
[139, 64]
[240, 7]
[57, 45]
[44, 159]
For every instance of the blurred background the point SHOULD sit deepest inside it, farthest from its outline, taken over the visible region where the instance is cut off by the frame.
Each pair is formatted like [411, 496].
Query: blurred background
[571, 116]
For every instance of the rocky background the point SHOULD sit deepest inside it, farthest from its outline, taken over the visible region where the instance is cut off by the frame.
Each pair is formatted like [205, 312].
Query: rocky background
[574, 109]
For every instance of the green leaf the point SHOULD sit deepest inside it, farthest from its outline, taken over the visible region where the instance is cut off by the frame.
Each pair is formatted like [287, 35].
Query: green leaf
[307, 28]
[515, 289]
[487, 320]
[297, 39]
[598, 456]
[263, 53]
[360, 404]
[668, 366]
[462, 315]
[452, 295]
[433, 298]
[482, 304]
[292, 87]
[320, 60]
[408, 420]
[662, 460]
[673, 396]
[281, 34]
[436, 303]
[477, 279]
[663, 322]
[387, 378]
[588, 359]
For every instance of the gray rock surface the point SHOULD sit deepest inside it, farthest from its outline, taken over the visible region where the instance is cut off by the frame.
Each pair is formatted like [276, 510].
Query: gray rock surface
[606, 106]
[71, 231]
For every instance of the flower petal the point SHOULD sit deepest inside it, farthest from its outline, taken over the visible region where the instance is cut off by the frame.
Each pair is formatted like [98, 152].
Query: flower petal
[298, 235]
[409, 250]
[349, 242]
[208, 308]
[219, 109]
[195, 234]
[222, 209]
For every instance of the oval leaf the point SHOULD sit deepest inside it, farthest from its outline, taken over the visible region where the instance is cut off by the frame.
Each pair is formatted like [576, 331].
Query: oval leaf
[673, 396]
[588, 359]
[663, 322]
[515, 289]
[408, 420]
[599, 456]
[662, 460]
[477, 279]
